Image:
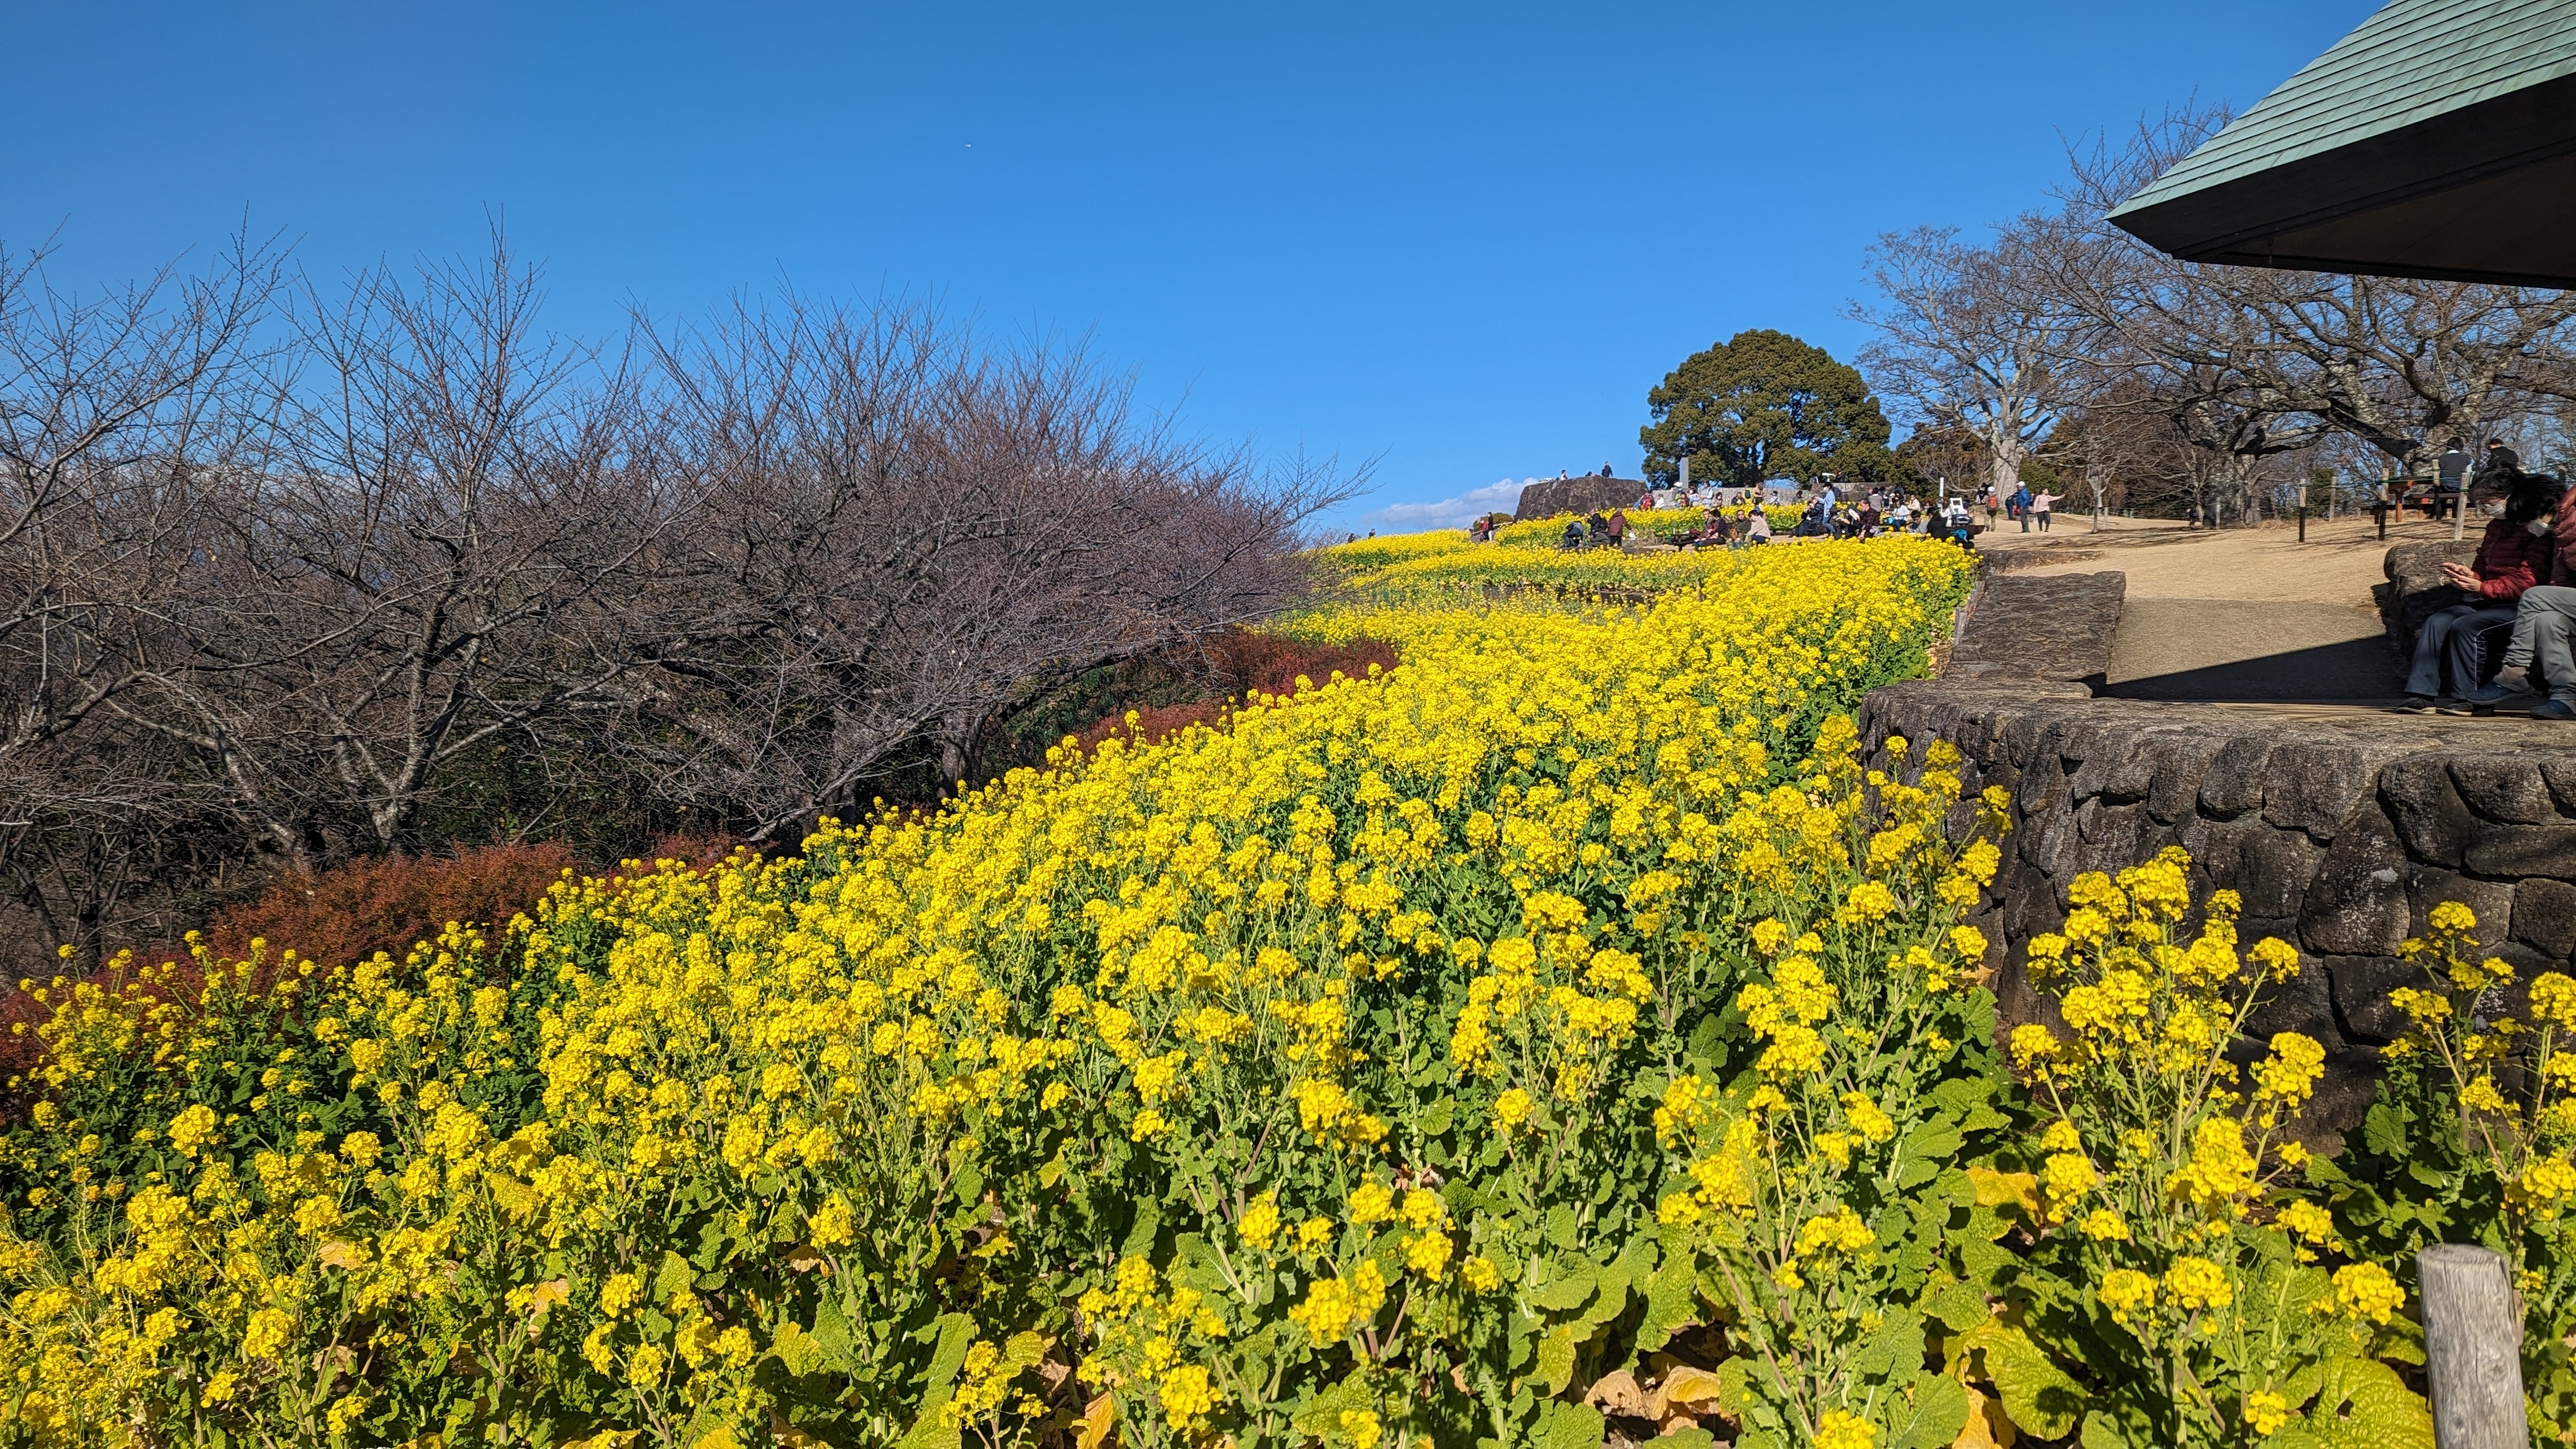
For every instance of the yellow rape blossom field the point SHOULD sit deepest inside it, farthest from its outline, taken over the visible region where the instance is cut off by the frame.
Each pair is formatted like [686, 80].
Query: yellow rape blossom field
[1561, 1038]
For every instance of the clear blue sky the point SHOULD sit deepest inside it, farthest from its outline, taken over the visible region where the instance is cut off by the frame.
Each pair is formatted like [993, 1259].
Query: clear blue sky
[1461, 240]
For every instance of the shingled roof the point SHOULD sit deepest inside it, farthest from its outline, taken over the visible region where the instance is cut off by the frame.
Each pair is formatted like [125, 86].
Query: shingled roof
[2437, 140]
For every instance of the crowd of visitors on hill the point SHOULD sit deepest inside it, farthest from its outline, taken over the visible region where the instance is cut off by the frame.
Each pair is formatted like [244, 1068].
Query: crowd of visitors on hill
[2519, 590]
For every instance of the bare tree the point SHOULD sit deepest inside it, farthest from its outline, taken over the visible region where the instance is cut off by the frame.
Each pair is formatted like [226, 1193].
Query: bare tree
[906, 536]
[2402, 365]
[116, 412]
[436, 546]
[279, 580]
[1970, 337]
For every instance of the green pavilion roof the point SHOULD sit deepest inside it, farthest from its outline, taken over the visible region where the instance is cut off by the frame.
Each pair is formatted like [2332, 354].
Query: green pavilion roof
[2437, 140]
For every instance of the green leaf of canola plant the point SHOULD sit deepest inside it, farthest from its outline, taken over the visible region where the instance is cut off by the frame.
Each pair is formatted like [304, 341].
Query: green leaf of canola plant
[1895, 1350]
[2101, 1433]
[1556, 1359]
[1672, 1302]
[1572, 1291]
[797, 1349]
[956, 1331]
[1442, 1115]
[1560, 1229]
[2360, 1405]
[1612, 1279]
[1139, 1241]
[1572, 1426]
[674, 1275]
[2037, 1394]
[2383, 1131]
[1322, 1416]
[1958, 1306]
[1933, 1418]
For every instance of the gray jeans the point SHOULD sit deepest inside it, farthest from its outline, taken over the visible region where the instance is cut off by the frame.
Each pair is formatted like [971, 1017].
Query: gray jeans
[2544, 640]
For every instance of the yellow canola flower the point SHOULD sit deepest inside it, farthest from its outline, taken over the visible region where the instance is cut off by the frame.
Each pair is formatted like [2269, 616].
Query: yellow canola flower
[2366, 1291]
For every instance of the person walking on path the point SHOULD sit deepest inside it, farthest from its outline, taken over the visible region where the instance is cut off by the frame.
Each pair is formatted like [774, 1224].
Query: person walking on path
[2039, 506]
[2542, 652]
[2451, 474]
[2511, 559]
[2021, 506]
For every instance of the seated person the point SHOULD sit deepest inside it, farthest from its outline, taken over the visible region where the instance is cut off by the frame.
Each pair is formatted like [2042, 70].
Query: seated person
[2542, 652]
[1573, 534]
[2511, 558]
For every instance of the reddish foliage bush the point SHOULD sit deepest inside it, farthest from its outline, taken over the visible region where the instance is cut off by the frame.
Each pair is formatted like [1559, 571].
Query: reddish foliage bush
[350, 913]
[356, 910]
[1244, 663]
[1270, 663]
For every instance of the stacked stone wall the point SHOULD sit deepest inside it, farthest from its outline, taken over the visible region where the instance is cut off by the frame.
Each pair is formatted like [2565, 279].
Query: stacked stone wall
[2340, 834]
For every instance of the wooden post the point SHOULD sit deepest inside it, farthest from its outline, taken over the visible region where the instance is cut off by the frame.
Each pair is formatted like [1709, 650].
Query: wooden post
[2472, 1348]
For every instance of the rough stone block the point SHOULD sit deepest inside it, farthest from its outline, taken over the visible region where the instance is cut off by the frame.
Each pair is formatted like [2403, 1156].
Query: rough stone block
[2519, 850]
[2343, 1098]
[2304, 1004]
[2233, 783]
[2312, 783]
[2356, 902]
[2027, 736]
[2431, 819]
[2030, 903]
[2544, 917]
[2561, 775]
[2360, 987]
[2117, 765]
[2501, 787]
[2273, 871]
[2116, 837]
[2055, 627]
[2181, 760]
[2417, 590]
[2427, 887]
[2053, 842]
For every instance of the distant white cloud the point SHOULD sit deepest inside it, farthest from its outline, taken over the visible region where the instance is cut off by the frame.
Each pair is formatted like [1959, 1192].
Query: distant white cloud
[1455, 512]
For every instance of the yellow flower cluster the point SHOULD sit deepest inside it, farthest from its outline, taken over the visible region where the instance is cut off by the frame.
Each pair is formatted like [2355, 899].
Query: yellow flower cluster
[673, 1126]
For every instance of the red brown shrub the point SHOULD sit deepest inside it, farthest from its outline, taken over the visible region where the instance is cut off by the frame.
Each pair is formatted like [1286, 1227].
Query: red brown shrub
[352, 912]
[1243, 663]
[1270, 663]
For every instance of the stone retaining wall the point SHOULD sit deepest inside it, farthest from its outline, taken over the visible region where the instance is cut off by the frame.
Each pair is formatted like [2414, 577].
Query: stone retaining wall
[2340, 830]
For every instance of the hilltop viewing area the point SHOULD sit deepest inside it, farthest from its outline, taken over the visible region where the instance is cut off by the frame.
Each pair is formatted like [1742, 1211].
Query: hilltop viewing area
[1096, 843]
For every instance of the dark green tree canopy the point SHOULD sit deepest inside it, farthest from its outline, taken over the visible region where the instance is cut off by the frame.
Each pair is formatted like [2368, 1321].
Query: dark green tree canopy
[1763, 404]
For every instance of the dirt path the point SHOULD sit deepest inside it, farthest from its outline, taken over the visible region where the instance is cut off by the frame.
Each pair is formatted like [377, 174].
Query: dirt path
[2337, 565]
[2240, 614]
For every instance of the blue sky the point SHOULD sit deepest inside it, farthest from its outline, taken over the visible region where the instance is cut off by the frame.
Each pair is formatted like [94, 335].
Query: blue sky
[1460, 241]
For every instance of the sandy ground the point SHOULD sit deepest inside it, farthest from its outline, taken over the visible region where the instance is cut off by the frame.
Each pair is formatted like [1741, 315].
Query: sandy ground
[2337, 565]
[2240, 614]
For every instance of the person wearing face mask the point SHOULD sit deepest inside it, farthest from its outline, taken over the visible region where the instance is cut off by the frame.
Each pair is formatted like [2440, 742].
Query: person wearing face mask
[2542, 652]
[2511, 559]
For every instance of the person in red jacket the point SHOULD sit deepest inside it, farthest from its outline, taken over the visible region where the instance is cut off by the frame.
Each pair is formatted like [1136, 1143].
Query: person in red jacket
[2511, 560]
[2542, 652]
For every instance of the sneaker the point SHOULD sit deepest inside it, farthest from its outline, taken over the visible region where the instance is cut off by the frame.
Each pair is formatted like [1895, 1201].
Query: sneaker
[2418, 704]
[2490, 694]
[2553, 709]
